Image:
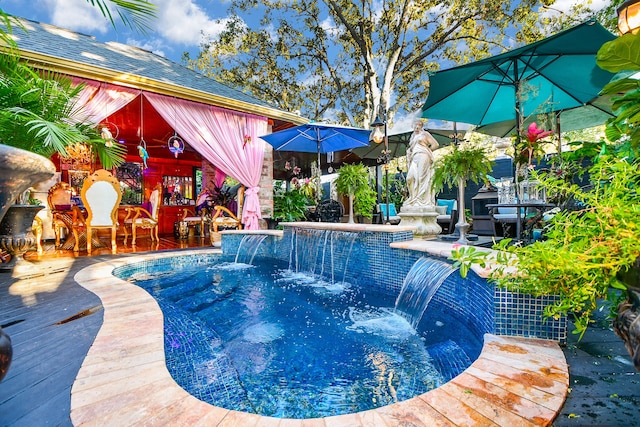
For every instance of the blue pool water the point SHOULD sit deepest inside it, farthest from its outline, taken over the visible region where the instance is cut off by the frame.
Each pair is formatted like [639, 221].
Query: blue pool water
[262, 339]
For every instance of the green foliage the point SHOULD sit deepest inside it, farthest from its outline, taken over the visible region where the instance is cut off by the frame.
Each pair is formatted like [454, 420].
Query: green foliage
[398, 191]
[584, 250]
[364, 201]
[468, 162]
[622, 56]
[341, 60]
[288, 206]
[135, 14]
[37, 111]
[353, 180]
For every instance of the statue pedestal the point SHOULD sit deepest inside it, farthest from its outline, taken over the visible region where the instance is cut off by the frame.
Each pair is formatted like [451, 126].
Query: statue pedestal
[423, 218]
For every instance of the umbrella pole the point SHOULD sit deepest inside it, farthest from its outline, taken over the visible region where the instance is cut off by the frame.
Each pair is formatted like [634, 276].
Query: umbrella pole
[518, 131]
[558, 132]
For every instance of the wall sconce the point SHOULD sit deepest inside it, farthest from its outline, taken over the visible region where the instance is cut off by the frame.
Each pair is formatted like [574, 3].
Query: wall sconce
[629, 16]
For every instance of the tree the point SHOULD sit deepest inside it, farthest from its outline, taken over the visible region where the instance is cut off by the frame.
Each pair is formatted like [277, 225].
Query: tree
[342, 60]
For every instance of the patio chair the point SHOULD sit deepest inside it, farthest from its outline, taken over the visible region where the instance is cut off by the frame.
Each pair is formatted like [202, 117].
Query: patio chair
[197, 220]
[330, 211]
[224, 218]
[381, 214]
[101, 197]
[505, 221]
[145, 217]
[447, 210]
[59, 201]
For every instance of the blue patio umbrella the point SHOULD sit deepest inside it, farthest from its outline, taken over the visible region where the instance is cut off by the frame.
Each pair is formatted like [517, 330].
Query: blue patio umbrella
[318, 137]
[554, 74]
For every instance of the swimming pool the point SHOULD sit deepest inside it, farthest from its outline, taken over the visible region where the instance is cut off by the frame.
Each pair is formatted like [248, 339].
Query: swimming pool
[260, 339]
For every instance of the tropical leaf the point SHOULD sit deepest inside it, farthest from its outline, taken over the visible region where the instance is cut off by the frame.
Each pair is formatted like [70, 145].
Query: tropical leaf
[620, 54]
[136, 14]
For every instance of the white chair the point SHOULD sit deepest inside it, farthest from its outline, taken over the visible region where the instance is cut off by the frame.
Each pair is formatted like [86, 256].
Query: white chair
[140, 217]
[101, 197]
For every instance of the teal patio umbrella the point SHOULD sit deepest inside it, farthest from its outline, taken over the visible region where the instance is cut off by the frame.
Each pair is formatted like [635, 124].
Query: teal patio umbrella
[554, 74]
[594, 113]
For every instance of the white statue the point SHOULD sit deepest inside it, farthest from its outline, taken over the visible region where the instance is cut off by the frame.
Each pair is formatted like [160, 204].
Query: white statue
[420, 161]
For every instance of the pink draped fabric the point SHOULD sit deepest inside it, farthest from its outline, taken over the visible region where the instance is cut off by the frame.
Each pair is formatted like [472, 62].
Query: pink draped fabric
[228, 139]
[100, 100]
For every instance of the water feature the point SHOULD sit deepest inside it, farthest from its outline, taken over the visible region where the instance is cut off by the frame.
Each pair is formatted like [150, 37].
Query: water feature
[295, 336]
[248, 248]
[419, 286]
[321, 252]
[251, 338]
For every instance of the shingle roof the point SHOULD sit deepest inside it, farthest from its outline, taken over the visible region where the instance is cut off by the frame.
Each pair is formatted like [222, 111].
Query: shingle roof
[76, 54]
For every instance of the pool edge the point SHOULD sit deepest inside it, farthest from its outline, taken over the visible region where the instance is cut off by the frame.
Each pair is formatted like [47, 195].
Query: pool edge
[123, 379]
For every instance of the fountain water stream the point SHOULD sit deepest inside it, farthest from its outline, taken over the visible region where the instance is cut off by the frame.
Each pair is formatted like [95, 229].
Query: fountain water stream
[249, 247]
[328, 250]
[419, 286]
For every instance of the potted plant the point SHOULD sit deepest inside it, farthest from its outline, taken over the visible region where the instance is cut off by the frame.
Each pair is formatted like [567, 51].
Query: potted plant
[353, 181]
[38, 118]
[289, 205]
[591, 253]
[458, 165]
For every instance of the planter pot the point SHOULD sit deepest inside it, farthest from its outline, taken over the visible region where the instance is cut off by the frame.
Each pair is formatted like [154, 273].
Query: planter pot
[20, 170]
[16, 236]
[6, 353]
[627, 322]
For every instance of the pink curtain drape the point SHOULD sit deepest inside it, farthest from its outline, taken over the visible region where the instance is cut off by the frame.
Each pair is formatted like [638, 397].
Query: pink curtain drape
[100, 100]
[228, 139]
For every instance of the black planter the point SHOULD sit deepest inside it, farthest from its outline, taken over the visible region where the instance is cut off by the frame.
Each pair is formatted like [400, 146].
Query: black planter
[16, 236]
[19, 170]
[6, 353]
[626, 325]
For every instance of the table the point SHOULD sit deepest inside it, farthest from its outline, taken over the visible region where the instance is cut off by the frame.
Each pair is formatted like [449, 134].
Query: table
[520, 206]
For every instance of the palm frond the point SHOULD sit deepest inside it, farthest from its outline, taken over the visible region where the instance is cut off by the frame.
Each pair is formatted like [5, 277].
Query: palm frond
[136, 14]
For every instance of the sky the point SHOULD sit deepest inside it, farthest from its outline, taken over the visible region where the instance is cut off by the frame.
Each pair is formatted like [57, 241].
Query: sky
[178, 28]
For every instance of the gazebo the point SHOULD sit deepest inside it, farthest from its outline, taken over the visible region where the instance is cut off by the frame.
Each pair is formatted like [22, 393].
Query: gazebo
[193, 130]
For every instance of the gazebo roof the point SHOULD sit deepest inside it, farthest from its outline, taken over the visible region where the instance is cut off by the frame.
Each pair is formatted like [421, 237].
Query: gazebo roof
[57, 49]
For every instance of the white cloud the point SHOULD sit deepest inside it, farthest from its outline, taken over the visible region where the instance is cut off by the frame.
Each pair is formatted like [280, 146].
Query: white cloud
[77, 15]
[330, 27]
[183, 22]
[156, 46]
[177, 21]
